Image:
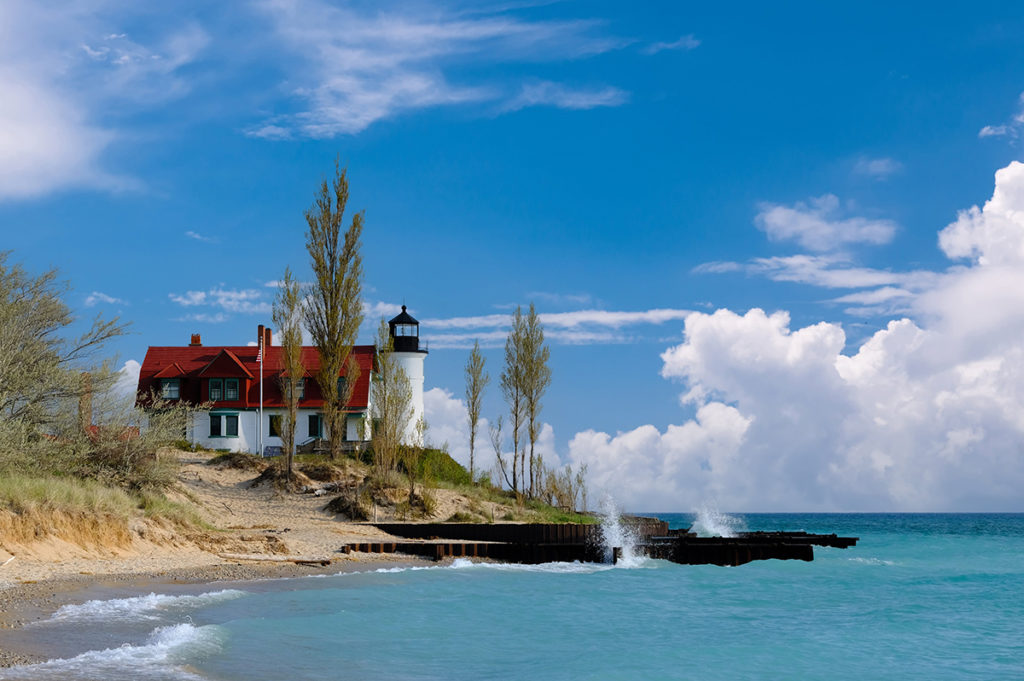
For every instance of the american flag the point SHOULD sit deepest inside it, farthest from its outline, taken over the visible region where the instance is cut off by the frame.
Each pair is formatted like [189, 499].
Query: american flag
[259, 353]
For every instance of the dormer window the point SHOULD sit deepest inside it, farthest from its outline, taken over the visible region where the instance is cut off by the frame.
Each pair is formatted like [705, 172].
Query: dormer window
[170, 388]
[223, 389]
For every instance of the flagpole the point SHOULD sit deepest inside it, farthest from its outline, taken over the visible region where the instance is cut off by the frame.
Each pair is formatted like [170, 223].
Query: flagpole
[259, 426]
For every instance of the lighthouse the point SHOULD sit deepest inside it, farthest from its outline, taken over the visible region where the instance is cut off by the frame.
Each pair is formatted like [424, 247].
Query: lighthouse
[405, 334]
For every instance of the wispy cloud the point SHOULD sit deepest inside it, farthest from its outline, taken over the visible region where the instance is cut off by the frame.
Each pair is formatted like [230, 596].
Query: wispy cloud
[547, 93]
[561, 298]
[199, 237]
[684, 43]
[1011, 128]
[579, 327]
[97, 297]
[359, 65]
[877, 168]
[204, 318]
[68, 83]
[817, 225]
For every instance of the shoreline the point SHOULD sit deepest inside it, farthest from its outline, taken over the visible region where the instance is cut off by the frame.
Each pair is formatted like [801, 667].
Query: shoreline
[28, 601]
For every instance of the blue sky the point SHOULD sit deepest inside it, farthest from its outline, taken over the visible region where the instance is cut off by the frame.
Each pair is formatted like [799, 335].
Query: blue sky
[647, 176]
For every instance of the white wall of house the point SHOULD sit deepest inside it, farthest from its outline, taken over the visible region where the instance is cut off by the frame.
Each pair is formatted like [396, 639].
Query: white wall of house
[246, 439]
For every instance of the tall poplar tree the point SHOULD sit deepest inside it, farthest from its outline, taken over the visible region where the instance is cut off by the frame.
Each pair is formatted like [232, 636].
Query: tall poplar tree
[334, 311]
[288, 320]
[476, 380]
[536, 377]
[512, 390]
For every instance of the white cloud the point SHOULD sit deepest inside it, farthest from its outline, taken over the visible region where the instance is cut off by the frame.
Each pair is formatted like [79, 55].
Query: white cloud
[243, 301]
[878, 168]
[927, 415]
[359, 66]
[547, 93]
[58, 86]
[994, 131]
[993, 234]
[97, 297]
[687, 42]
[578, 327]
[127, 379]
[374, 311]
[816, 225]
[199, 237]
[1010, 129]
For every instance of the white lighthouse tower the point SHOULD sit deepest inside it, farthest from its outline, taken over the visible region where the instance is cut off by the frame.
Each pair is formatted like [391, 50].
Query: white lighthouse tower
[405, 333]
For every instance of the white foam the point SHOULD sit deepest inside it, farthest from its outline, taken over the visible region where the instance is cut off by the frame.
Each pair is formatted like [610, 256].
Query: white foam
[872, 561]
[160, 658]
[147, 607]
[616, 535]
[711, 522]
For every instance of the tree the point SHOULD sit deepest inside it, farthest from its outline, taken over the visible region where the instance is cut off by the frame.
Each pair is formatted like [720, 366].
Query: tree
[536, 377]
[496, 442]
[512, 390]
[39, 366]
[288, 320]
[334, 312]
[391, 405]
[476, 380]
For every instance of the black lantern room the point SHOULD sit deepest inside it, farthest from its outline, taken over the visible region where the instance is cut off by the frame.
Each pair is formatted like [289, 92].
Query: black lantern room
[405, 332]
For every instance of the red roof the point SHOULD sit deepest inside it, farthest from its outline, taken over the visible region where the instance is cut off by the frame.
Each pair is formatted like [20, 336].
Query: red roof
[193, 366]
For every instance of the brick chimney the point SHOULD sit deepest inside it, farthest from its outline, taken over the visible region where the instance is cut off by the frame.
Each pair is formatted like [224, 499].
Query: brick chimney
[260, 335]
[196, 341]
[267, 338]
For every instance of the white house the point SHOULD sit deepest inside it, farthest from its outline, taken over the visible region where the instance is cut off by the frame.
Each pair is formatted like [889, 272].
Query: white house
[228, 379]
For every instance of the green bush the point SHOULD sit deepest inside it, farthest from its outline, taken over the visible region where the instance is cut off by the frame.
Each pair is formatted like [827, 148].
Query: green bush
[436, 464]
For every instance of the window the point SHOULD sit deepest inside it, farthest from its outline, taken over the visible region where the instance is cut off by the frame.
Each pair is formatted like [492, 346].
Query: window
[230, 388]
[223, 425]
[302, 388]
[342, 387]
[216, 389]
[275, 425]
[315, 425]
[170, 388]
[231, 425]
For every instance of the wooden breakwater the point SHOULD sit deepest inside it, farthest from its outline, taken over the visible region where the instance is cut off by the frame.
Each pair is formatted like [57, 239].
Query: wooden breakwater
[533, 543]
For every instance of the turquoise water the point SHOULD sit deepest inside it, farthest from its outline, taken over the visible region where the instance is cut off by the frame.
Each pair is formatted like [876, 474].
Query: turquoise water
[920, 597]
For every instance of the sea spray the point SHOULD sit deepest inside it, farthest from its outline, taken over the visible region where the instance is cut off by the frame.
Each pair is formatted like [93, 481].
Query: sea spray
[615, 534]
[711, 522]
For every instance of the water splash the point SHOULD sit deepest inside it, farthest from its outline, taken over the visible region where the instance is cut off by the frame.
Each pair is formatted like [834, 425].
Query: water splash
[615, 534]
[711, 522]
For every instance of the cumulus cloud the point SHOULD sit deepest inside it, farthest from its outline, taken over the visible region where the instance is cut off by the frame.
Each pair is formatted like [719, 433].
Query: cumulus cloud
[816, 225]
[991, 234]
[359, 67]
[127, 379]
[448, 421]
[926, 415]
[242, 301]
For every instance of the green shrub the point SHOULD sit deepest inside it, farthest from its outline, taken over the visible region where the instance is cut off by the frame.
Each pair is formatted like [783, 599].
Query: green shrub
[437, 465]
